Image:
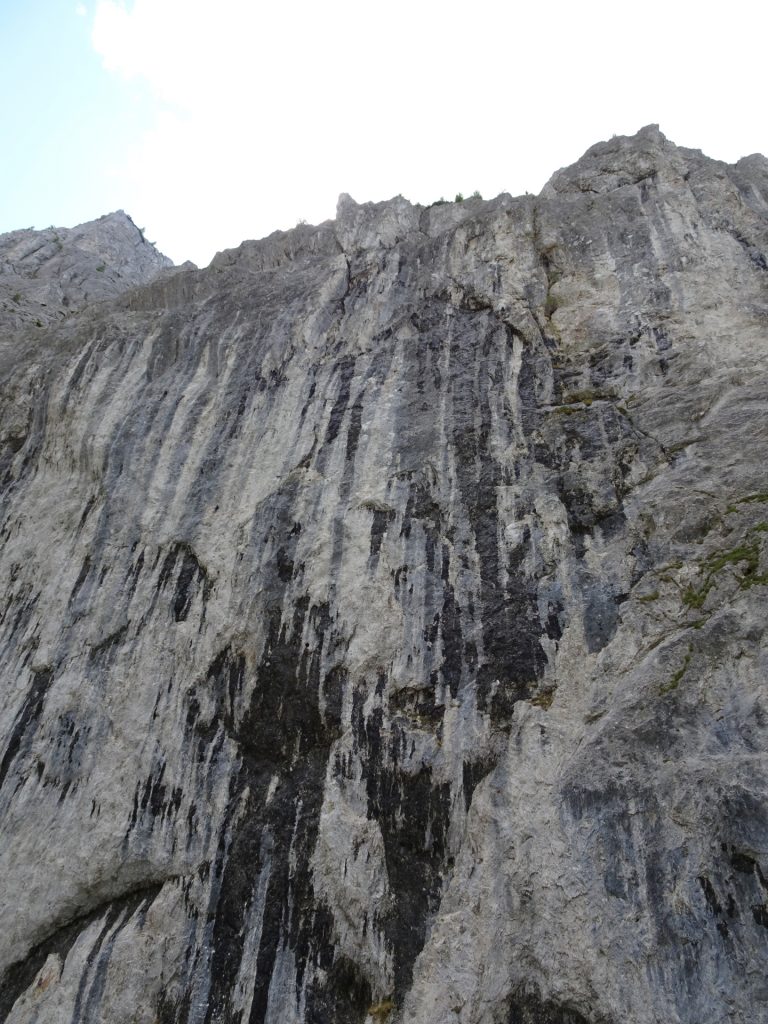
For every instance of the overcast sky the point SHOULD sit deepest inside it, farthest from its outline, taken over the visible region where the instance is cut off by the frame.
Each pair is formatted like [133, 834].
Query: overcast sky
[211, 122]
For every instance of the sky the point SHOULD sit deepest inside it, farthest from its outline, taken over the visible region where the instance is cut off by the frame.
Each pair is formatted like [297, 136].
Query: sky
[213, 122]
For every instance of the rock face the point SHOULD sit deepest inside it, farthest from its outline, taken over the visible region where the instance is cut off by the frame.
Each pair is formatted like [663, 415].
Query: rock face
[384, 617]
[46, 276]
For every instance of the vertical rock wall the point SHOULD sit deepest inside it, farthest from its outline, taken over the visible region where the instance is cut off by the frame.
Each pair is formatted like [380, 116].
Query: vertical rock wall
[382, 624]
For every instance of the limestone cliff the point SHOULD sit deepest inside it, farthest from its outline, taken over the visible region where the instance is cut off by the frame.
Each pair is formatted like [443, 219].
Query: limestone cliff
[383, 615]
[47, 275]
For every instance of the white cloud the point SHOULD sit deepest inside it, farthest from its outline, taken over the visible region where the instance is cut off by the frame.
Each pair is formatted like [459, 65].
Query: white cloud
[81, 10]
[266, 112]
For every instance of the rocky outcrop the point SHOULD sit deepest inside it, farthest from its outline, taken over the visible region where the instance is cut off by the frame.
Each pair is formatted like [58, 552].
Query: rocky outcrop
[47, 275]
[383, 619]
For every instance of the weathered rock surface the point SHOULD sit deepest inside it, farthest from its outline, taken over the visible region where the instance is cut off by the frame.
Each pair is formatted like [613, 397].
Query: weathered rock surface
[48, 275]
[384, 619]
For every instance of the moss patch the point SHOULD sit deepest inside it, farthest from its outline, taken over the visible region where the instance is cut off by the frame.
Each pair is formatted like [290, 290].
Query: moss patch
[674, 681]
[381, 1010]
[745, 556]
[543, 699]
[761, 498]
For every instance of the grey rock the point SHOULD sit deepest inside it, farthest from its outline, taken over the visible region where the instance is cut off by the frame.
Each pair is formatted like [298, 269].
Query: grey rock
[48, 275]
[383, 618]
